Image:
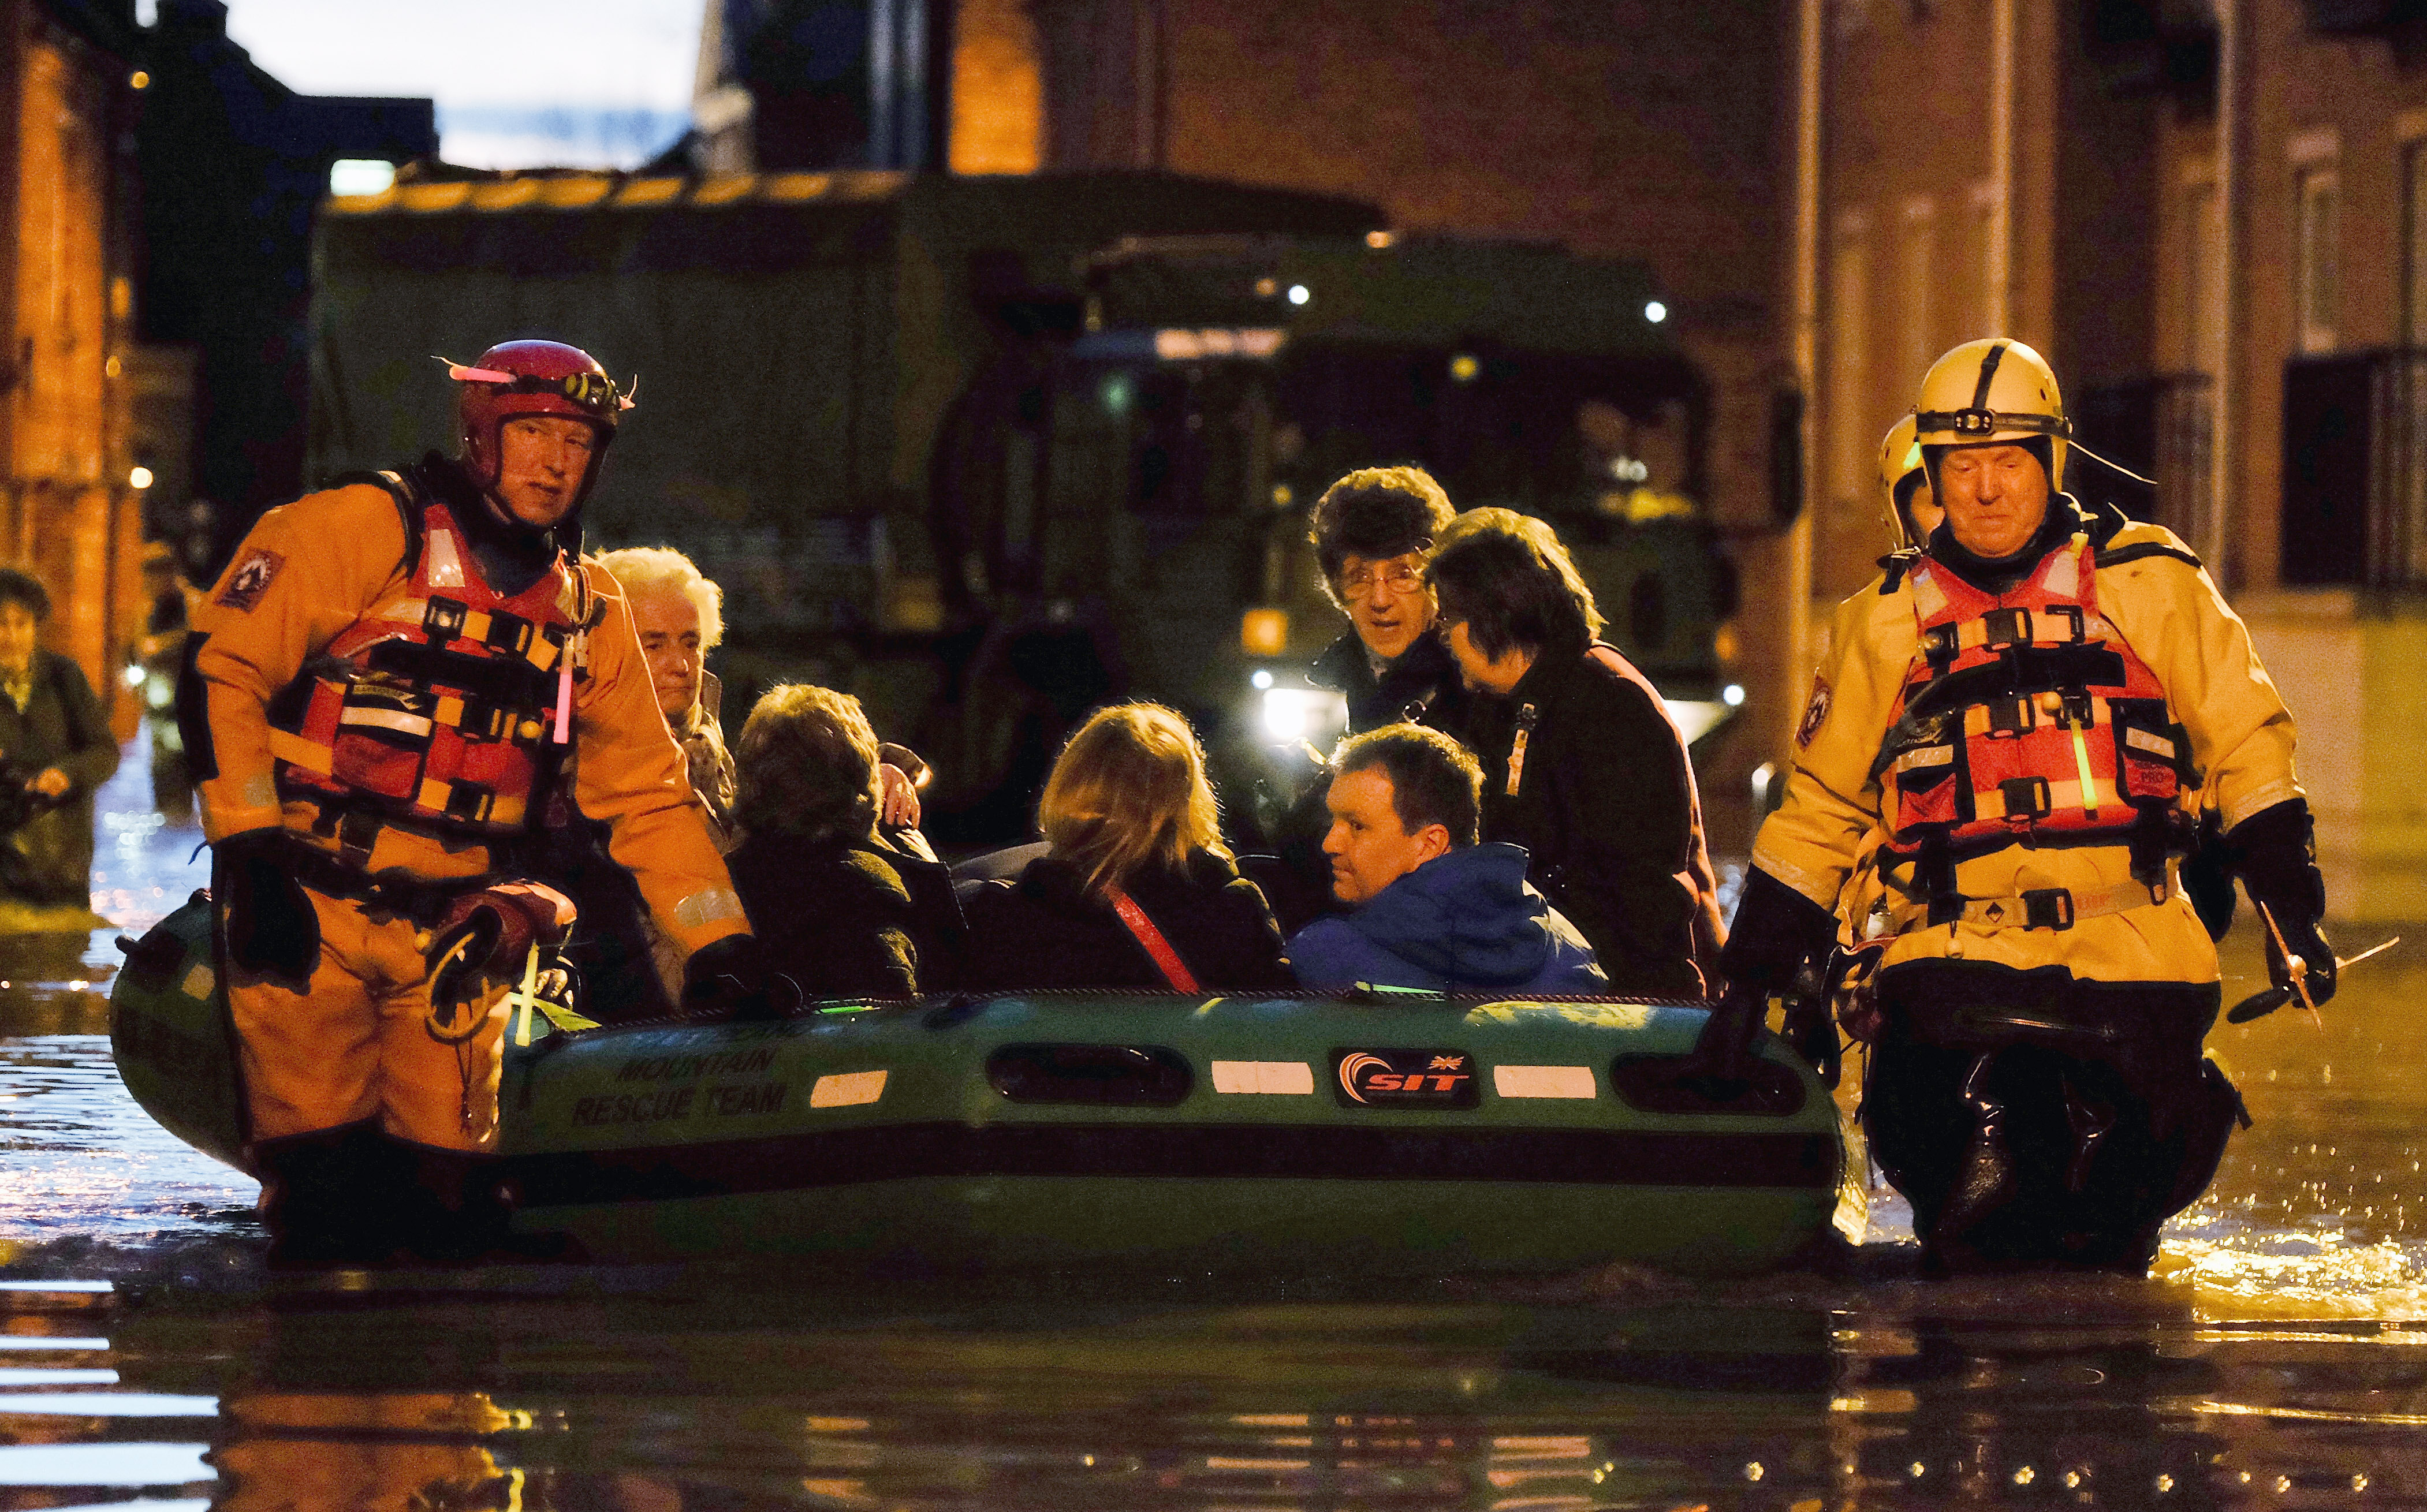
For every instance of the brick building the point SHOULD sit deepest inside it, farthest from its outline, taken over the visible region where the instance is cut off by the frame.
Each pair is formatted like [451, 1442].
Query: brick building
[2208, 215]
[69, 507]
[1647, 129]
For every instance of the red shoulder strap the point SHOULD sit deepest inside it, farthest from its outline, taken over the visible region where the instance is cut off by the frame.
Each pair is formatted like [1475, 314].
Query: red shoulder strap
[1166, 960]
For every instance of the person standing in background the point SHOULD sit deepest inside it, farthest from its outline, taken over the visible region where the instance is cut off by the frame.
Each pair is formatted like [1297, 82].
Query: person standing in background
[168, 602]
[56, 747]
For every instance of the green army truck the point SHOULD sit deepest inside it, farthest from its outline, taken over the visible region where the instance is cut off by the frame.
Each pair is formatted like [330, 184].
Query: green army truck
[989, 451]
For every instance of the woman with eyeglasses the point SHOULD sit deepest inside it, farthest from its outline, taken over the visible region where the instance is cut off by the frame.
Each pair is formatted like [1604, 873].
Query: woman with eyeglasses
[1373, 531]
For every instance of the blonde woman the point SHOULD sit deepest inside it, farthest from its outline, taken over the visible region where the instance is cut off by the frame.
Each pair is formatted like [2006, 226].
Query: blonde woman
[1135, 888]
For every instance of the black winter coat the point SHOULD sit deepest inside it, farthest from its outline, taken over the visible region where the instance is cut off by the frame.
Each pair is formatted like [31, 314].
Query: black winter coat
[849, 918]
[49, 858]
[1045, 930]
[1424, 675]
[1605, 805]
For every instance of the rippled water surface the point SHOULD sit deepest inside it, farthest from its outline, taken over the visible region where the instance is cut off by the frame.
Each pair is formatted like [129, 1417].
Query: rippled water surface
[146, 1358]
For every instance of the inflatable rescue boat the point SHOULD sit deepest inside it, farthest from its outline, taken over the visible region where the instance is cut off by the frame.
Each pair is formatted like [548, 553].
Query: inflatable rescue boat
[1372, 1132]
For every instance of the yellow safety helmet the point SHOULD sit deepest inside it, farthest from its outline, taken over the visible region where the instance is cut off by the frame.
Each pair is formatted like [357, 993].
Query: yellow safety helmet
[1899, 473]
[1989, 391]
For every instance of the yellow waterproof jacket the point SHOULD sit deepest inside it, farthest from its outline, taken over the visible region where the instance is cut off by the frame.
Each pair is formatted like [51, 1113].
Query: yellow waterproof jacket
[2154, 592]
[311, 569]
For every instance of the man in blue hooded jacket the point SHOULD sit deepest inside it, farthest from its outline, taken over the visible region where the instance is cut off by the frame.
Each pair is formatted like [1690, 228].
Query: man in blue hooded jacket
[1432, 907]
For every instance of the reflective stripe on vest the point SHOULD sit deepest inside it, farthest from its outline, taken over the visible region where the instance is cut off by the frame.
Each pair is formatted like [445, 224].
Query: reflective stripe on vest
[2025, 719]
[437, 705]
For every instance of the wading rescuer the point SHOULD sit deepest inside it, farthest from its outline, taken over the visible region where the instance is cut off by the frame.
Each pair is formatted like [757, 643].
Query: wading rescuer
[2027, 711]
[401, 681]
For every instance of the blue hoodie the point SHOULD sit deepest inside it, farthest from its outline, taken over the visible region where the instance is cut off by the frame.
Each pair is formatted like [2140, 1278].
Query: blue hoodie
[1460, 922]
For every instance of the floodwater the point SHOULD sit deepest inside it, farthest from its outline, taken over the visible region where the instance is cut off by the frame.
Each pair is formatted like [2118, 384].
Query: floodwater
[146, 1359]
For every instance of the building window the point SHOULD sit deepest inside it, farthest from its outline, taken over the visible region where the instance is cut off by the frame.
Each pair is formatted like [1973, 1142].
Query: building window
[1916, 270]
[1983, 254]
[2202, 349]
[2316, 229]
[1852, 447]
[2414, 245]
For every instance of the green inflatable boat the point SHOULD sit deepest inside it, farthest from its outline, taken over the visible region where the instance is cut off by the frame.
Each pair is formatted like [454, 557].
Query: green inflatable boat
[1380, 1133]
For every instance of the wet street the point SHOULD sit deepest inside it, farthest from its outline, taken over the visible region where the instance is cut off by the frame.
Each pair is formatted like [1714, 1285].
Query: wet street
[146, 1358]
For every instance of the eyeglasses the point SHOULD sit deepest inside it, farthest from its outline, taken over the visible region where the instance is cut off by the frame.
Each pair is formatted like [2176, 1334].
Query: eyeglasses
[1401, 577]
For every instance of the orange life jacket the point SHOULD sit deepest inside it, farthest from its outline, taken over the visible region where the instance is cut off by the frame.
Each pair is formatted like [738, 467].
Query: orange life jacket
[446, 705]
[2027, 720]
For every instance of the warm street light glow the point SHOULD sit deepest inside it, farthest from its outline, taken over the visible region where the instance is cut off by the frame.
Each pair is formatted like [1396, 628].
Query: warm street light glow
[140, 477]
[139, 80]
[361, 175]
[1655, 312]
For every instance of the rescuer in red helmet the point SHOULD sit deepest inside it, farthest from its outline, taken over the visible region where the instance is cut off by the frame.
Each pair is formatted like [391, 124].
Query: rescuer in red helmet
[401, 681]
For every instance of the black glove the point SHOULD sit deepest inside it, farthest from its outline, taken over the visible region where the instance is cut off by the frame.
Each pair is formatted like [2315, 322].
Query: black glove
[732, 978]
[2274, 852]
[271, 928]
[2207, 876]
[1775, 931]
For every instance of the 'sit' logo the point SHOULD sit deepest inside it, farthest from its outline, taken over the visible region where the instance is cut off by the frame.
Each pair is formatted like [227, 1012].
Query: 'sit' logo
[1378, 1078]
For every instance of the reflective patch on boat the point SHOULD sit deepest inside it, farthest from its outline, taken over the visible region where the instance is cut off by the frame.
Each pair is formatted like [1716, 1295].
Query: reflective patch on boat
[1607, 1015]
[848, 1089]
[1544, 1082]
[200, 982]
[1293, 1078]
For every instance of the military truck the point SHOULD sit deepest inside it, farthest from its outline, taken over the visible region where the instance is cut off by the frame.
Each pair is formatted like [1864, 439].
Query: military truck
[989, 451]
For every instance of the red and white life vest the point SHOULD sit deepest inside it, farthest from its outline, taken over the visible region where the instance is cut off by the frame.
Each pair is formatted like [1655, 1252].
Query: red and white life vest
[440, 706]
[2027, 720]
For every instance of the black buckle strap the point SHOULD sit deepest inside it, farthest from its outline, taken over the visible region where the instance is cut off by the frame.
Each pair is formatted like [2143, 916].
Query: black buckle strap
[508, 633]
[470, 801]
[423, 903]
[2047, 908]
[2028, 797]
[443, 619]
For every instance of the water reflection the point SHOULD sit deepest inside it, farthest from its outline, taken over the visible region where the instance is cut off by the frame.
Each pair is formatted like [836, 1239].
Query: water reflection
[147, 1359]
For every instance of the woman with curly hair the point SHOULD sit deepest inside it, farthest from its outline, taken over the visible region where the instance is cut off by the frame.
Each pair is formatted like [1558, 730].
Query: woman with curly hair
[848, 915]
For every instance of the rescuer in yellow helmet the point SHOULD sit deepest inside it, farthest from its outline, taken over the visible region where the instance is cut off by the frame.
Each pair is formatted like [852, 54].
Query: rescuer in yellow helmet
[1905, 493]
[2027, 710]
[1910, 513]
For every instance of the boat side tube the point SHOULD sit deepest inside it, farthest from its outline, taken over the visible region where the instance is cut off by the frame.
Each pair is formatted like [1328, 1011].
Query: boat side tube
[1403, 1133]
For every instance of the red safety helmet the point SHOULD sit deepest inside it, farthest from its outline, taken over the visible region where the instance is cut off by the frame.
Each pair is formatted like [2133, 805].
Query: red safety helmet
[519, 377]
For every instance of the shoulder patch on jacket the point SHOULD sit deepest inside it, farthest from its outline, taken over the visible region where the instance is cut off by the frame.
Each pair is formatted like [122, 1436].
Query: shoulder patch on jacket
[249, 580]
[2142, 550]
[1814, 713]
